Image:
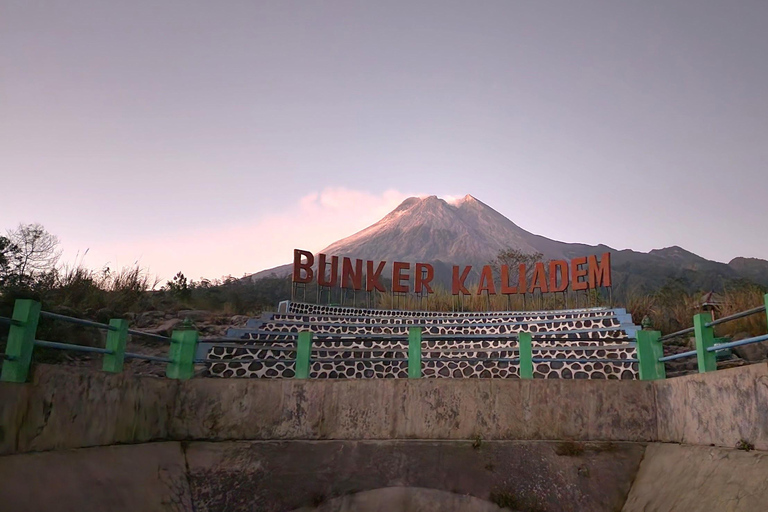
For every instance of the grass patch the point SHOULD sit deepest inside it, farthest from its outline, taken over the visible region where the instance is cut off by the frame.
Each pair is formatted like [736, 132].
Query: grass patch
[521, 503]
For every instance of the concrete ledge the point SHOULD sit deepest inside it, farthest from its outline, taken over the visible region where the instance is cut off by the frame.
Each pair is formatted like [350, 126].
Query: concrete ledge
[718, 408]
[415, 409]
[674, 478]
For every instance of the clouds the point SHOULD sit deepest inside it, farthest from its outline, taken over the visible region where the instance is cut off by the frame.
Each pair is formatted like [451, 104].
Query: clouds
[314, 221]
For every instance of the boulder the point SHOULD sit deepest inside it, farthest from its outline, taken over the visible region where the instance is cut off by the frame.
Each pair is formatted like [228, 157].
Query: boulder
[194, 314]
[753, 352]
[166, 328]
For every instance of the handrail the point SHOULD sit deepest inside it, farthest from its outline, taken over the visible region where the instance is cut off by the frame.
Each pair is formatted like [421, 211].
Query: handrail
[736, 316]
[72, 346]
[77, 321]
[677, 356]
[149, 335]
[676, 334]
[9, 321]
[438, 337]
[131, 355]
[459, 323]
[731, 344]
[583, 360]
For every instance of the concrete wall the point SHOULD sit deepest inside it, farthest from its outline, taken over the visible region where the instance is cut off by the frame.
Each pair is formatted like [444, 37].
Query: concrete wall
[718, 408]
[329, 475]
[65, 407]
[675, 478]
[424, 409]
[145, 477]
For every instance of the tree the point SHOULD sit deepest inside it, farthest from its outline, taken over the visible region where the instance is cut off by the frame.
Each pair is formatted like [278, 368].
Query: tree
[178, 286]
[27, 253]
[514, 257]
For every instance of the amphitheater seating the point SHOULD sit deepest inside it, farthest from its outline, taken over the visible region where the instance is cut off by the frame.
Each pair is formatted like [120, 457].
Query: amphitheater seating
[373, 343]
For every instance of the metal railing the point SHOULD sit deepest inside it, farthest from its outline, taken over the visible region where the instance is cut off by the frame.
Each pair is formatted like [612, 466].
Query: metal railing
[22, 340]
[650, 348]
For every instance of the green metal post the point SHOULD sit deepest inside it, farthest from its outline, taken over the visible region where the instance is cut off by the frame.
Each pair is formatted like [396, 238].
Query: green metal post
[766, 304]
[525, 352]
[182, 354]
[21, 341]
[649, 350]
[303, 354]
[705, 338]
[414, 352]
[116, 340]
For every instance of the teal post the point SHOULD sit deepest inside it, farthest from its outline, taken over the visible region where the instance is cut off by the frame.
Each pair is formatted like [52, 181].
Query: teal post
[649, 350]
[21, 341]
[414, 352]
[766, 304]
[705, 338]
[116, 340]
[525, 351]
[182, 354]
[303, 354]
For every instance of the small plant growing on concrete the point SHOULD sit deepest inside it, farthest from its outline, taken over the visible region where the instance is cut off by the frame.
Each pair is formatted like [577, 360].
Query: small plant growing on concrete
[745, 445]
[506, 499]
[477, 442]
[569, 449]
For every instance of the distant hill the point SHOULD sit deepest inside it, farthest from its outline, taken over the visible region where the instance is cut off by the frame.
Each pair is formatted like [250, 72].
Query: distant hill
[469, 232]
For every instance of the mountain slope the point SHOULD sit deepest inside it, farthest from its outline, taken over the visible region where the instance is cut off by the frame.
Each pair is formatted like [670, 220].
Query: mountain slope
[469, 232]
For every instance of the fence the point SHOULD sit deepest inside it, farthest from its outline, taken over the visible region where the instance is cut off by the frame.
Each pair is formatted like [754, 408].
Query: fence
[650, 344]
[185, 351]
[22, 340]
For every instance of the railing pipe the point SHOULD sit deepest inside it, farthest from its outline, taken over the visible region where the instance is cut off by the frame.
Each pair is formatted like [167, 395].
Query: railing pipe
[736, 316]
[681, 355]
[131, 355]
[76, 321]
[731, 344]
[72, 347]
[160, 337]
[676, 334]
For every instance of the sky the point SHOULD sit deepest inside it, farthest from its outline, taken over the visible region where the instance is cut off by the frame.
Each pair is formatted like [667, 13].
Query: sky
[212, 138]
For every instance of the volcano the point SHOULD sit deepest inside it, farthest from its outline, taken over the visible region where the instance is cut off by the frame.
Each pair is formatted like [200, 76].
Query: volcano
[469, 232]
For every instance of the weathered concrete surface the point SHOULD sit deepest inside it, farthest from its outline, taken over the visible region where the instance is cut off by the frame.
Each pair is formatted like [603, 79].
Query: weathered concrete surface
[681, 478]
[14, 399]
[405, 499]
[718, 408]
[73, 408]
[229, 409]
[278, 476]
[147, 477]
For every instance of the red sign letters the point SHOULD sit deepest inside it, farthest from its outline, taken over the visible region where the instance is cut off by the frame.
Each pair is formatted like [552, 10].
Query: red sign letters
[555, 276]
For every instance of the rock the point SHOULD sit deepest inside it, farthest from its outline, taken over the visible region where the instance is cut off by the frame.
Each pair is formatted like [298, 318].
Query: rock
[166, 328]
[753, 352]
[194, 314]
[239, 319]
[148, 318]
